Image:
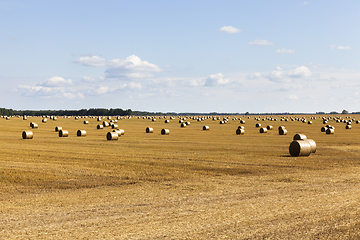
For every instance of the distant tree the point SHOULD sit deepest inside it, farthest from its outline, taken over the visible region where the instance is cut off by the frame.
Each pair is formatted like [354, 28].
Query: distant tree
[345, 112]
[247, 113]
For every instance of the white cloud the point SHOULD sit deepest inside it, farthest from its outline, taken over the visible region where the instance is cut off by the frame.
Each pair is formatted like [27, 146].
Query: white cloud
[300, 72]
[55, 81]
[92, 79]
[94, 61]
[254, 75]
[229, 29]
[130, 67]
[292, 97]
[262, 42]
[340, 47]
[216, 80]
[285, 50]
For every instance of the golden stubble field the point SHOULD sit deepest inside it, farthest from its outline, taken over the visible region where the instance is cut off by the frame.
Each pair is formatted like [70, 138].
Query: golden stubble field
[191, 184]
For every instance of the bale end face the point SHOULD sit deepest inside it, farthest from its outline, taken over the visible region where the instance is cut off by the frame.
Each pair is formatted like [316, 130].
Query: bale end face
[206, 128]
[149, 130]
[283, 131]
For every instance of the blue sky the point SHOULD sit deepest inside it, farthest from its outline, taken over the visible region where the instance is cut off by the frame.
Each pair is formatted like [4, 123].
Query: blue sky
[181, 56]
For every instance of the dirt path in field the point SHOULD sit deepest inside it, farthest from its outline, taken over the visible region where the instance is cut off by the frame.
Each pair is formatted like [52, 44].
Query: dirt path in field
[229, 207]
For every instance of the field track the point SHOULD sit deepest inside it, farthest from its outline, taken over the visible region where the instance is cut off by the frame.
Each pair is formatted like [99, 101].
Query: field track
[190, 184]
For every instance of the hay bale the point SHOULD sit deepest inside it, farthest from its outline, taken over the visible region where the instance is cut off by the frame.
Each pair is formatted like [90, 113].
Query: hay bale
[323, 129]
[81, 133]
[348, 127]
[241, 127]
[24, 118]
[154, 120]
[312, 145]
[27, 135]
[269, 127]
[167, 121]
[187, 123]
[206, 128]
[242, 121]
[299, 136]
[63, 133]
[222, 122]
[299, 148]
[58, 128]
[282, 131]
[99, 126]
[309, 122]
[114, 126]
[44, 120]
[112, 136]
[165, 131]
[258, 125]
[33, 125]
[183, 125]
[330, 131]
[263, 130]
[149, 130]
[240, 131]
[86, 122]
[105, 124]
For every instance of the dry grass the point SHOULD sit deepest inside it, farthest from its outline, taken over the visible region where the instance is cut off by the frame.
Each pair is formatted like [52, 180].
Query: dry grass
[191, 184]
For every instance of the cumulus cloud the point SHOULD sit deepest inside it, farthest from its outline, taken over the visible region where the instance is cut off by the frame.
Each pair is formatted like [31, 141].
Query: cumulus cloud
[285, 50]
[216, 80]
[130, 67]
[300, 72]
[340, 47]
[280, 75]
[229, 29]
[55, 81]
[261, 42]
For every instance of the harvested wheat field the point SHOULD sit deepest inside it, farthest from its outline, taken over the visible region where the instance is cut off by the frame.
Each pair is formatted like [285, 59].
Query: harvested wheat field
[190, 184]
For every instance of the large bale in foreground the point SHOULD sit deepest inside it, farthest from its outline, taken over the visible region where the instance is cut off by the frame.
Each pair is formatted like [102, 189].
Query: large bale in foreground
[312, 145]
[112, 136]
[299, 136]
[299, 148]
[63, 133]
[165, 131]
[27, 135]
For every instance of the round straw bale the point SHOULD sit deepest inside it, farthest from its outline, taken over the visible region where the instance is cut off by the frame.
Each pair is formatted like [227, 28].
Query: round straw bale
[167, 121]
[282, 131]
[86, 122]
[222, 122]
[27, 135]
[7, 118]
[309, 122]
[63, 133]
[99, 126]
[165, 131]
[24, 118]
[258, 125]
[348, 127]
[330, 131]
[149, 130]
[269, 127]
[120, 131]
[112, 136]
[44, 120]
[154, 120]
[241, 127]
[106, 124]
[263, 130]
[299, 148]
[117, 131]
[312, 145]
[242, 121]
[240, 131]
[183, 125]
[299, 136]
[323, 129]
[187, 123]
[34, 125]
[281, 127]
[206, 128]
[114, 126]
[81, 133]
[58, 129]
